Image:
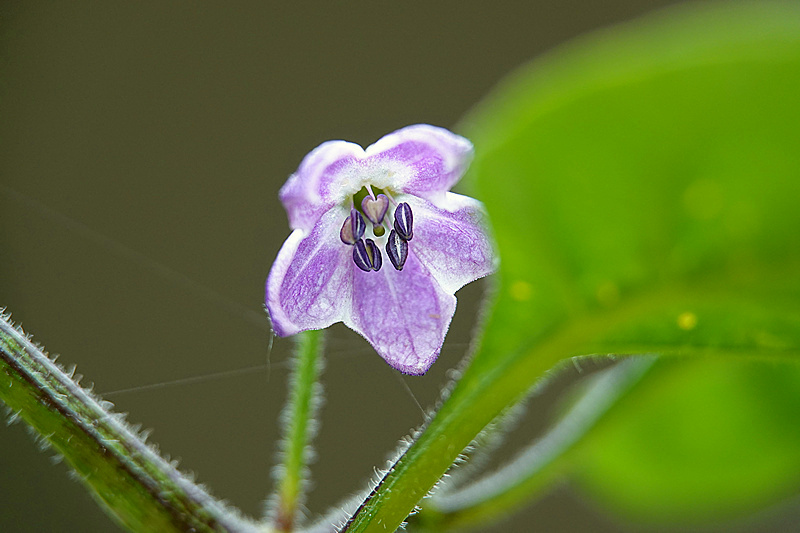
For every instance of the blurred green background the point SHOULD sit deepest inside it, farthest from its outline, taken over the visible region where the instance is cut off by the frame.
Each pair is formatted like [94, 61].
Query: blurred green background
[141, 150]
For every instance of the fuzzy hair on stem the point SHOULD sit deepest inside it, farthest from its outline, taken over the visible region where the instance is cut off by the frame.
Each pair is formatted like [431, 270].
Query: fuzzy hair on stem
[300, 426]
[139, 489]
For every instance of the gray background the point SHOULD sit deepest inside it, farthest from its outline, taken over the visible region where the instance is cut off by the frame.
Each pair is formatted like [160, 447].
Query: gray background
[141, 149]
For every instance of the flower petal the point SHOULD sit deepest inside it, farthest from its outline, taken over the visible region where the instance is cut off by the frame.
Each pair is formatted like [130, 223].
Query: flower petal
[310, 281]
[452, 240]
[403, 314]
[422, 160]
[313, 189]
[431, 159]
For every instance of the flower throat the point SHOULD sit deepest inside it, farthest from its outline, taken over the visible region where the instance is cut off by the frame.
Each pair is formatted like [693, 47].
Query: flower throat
[375, 208]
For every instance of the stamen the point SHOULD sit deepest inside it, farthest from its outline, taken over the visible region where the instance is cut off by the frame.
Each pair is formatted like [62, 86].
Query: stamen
[375, 208]
[375, 252]
[353, 228]
[397, 250]
[404, 221]
[361, 257]
[367, 256]
[391, 199]
[359, 226]
[346, 233]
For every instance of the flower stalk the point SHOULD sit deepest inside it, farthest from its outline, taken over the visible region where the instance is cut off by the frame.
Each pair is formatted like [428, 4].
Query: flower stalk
[300, 427]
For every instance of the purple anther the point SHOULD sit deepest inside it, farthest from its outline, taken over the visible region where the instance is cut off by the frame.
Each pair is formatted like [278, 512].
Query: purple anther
[397, 250]
[375, 252]
[404, 221]
[367, 256]
[375, 208]
[353, 228]
[346, 233]
[361, 257]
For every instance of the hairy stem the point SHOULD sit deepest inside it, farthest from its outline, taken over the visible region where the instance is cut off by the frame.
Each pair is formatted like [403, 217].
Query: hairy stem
[300, 427]
[518, 482]
[135, 485]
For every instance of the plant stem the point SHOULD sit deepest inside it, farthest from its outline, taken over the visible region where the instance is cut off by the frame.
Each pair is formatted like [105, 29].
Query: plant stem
[518, 482]
[135, 485]
[300, 427]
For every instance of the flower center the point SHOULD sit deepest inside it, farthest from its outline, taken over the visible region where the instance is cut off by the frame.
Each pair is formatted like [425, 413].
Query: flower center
[367, 254]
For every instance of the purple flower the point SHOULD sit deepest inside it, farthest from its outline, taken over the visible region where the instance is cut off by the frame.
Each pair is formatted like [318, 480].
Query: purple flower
[389, 265]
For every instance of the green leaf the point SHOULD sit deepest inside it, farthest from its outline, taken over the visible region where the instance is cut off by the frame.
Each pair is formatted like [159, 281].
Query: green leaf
[643, 185]
[648, 171]
[697, 442]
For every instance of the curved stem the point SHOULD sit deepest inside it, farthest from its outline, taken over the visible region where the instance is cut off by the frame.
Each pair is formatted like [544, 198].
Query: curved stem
[137, 487]
[518, 482]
